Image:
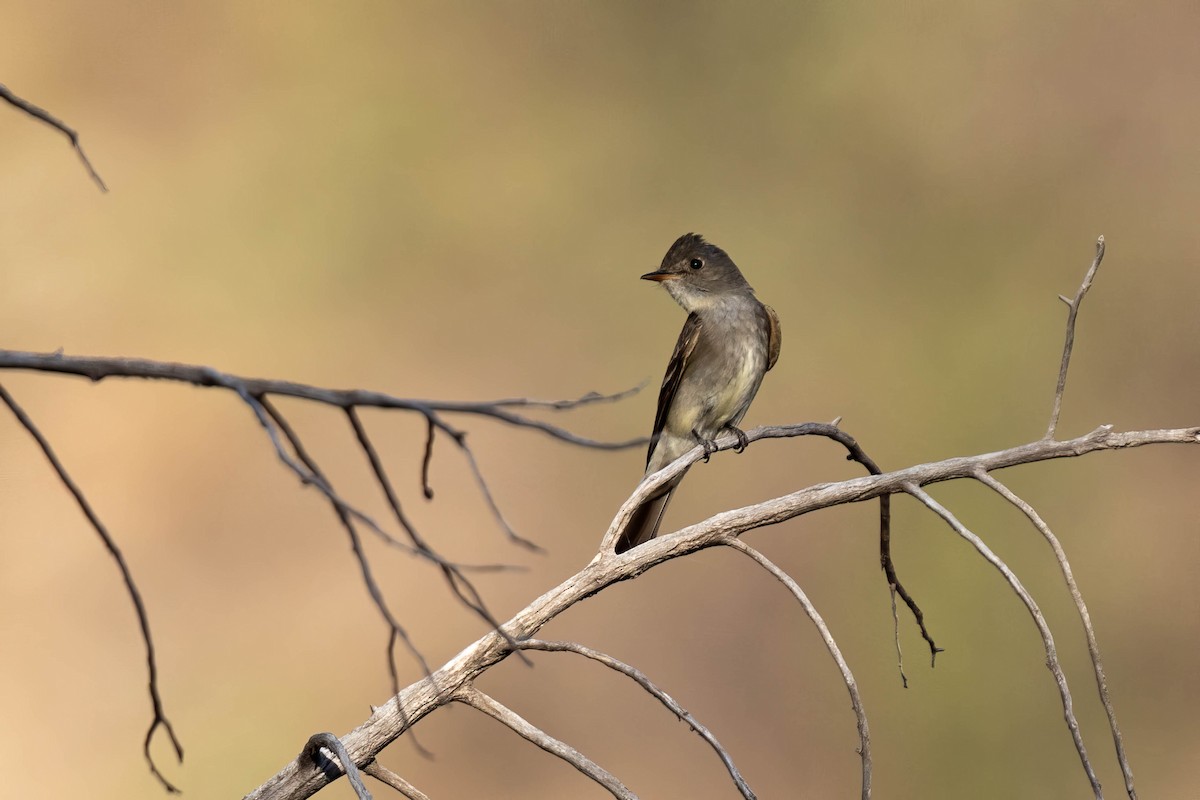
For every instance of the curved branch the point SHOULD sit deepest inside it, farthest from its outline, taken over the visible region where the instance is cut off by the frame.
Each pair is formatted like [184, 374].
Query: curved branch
[860, 715]
[658, 694]
[1052, 664]
[501, 713]
[1060, 555]
[391, 720]
[160, 716]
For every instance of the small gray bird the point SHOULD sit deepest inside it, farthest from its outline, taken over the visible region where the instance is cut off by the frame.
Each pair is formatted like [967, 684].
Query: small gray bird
[730, 340]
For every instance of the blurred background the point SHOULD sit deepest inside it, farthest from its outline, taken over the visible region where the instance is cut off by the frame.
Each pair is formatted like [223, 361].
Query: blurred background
[453, 200]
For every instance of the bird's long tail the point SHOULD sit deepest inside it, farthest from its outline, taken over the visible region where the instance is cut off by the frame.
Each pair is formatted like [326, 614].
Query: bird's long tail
[643, 525]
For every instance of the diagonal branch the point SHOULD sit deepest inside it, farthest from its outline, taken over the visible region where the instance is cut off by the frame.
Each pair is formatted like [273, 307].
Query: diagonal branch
[384, 775]
[459, 584]
[860, 715]
[54, 122]
[160, 716]
[640, 678]
[1093, 646]
[389, 721]
[478, 700]
[1040, 621]
[395, 631]
[1072, 313]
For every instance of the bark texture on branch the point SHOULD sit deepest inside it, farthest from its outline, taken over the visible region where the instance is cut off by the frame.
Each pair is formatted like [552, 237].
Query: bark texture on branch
[390, 721]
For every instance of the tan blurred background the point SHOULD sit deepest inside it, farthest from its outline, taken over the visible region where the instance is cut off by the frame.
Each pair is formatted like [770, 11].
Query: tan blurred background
[455, 201]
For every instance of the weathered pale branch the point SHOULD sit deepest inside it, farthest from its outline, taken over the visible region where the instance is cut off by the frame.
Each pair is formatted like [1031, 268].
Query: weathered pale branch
[54, 122]
[1072, 313]
[384, 775]
[531, 733]
[1060, 555]
[389, 721]
[642, 680]
[1039, 620]
[860, 714]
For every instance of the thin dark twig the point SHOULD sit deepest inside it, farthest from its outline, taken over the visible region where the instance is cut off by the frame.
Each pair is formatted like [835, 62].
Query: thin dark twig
[160, 717]
[1039, 620]
[531, 733]
[896, 638]
[312, 752]
[384, 775]
[860, 714]
[857, 454]
[1072, 313]
[396, 631]
[513, 536]
[98, 368]
[54, 122]
[430, 432]
[322, 483]
[459, 584]
[640, 678]
[1084, 617]
[565, 405]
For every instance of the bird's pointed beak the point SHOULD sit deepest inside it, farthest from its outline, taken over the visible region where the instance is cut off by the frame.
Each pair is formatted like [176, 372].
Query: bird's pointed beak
[658, 276]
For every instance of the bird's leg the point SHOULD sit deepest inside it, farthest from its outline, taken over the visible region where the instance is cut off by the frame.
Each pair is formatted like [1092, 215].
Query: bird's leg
[709, 445]
[743, 442]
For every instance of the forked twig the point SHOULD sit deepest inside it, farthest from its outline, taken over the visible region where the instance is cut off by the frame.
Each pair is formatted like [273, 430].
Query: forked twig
[1093, 646]
[860, 714]
[54, 122]
[396, 632]
[642, 680]
[1072, 313]
[99, 368]
[1040, 621]
[393, 719]
[531, 733]
[160, 716]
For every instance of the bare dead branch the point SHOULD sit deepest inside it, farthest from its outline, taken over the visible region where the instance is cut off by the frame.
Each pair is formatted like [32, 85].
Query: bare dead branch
[642, 680]
[1040, 621]
[531, 733]
[415, 701]
[395, 631]
[512, 535]
[459, 584]
[312, 752]
[384, 775]
[565, 405]
[860, 714]
[54, 122]
[1072, 313]
[896, 638]
[854, 453]
[427, 458]
[98, 368]
[160, 716]
[1085, 618]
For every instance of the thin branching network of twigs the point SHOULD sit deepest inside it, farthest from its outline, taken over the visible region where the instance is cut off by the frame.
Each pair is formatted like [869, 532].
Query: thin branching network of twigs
[325, 757]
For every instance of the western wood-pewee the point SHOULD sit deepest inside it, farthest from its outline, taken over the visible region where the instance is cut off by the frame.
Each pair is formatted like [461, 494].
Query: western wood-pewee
[730, 340]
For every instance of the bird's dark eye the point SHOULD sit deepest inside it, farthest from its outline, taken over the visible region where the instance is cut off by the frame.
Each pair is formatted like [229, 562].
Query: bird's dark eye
[696, 263]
